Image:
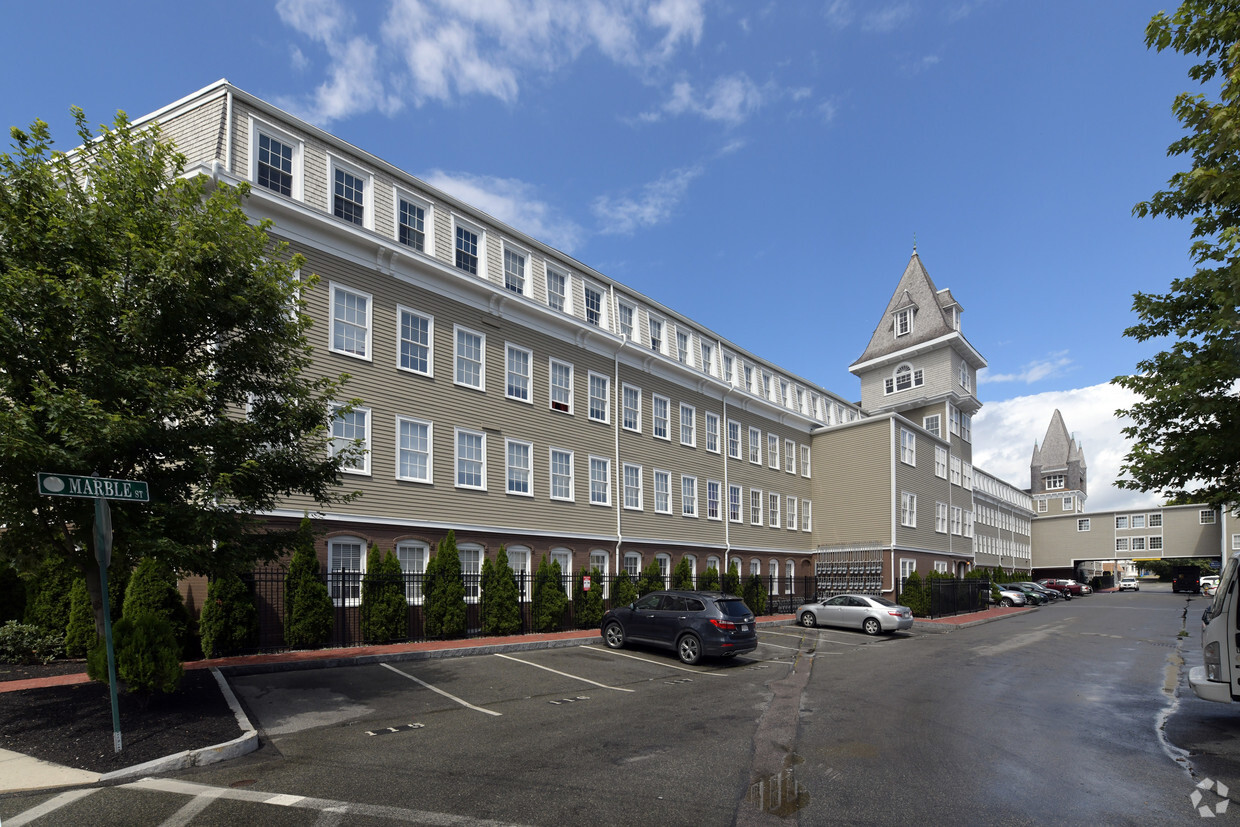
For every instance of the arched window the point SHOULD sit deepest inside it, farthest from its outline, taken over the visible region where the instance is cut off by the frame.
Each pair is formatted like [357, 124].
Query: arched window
[413, 555]
[692, 569]
[665, 567]
[346, 563]
[470, 555]
[755, 567]
[598, 560]
[712, 562]
[903, 378]
[633, 563]
[790, 568]
[773, 568]
[519, 562]
[564, 557]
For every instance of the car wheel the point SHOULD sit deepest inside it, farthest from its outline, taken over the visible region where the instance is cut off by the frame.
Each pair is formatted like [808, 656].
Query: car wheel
[872, 626]
[689, 648]
[613, 635]
[1006, 602]
[808, 620]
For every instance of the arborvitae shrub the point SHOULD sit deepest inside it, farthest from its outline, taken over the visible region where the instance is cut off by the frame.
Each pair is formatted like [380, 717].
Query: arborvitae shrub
[444, 604]
[623, 592]
[385, 613]
[709, 581]
[308, 610]
[732, 580]
[501, 602]
[153, 588]
[550, 601]
[47, 594]
[914, 595]
[145, 648]
[229, 621]
[651, 579]
[80, 629]
[682, 575]
[588, 605]
[755, 594]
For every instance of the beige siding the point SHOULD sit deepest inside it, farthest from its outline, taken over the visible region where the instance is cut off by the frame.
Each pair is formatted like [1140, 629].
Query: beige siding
[199, 133]
[929, 489]
[852, 484]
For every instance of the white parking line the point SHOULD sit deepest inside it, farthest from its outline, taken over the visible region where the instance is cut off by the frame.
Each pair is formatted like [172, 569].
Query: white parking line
[447, 695]
[49, 806]
[658, 662]
[562, 674]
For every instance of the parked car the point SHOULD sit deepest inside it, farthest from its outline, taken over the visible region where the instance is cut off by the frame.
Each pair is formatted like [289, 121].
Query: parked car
[1051, 594]
[1209, 580]
[873, 615]
[692, 624]
[1032, 596]
[1007, 597]
[1063, 586]
[1126, 583]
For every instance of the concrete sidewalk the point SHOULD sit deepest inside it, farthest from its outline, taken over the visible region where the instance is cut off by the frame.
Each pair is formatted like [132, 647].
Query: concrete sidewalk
[21, 772]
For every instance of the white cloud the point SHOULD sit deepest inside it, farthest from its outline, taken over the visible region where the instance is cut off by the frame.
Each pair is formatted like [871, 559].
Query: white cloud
[1004, 434]
[512, 202]
[657, 201]
[1055, 364]
[730, 100]
[888, 19]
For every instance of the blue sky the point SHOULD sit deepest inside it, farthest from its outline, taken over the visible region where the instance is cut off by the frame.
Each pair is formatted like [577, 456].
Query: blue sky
[762, 167]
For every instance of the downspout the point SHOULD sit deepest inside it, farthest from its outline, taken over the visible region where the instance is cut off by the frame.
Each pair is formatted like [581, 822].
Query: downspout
[727, 523]
[896, 504]
[228, 127]
[617, 415]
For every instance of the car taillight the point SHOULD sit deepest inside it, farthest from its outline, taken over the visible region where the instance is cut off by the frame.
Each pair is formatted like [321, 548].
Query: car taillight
[725, 625]
[1213, 662]
[896, 614]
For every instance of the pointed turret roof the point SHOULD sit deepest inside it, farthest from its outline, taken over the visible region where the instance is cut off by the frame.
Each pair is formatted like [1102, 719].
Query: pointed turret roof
[1058, 448]
[935, 315]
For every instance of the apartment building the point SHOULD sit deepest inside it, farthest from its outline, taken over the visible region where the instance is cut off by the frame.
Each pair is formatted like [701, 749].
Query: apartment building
[518, 397]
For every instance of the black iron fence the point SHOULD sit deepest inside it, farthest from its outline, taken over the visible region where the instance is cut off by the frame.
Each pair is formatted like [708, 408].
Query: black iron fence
[782, 595]
[956, 597]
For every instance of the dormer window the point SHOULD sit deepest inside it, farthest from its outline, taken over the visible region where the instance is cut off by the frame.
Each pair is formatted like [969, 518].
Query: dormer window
[905, 378]
[904, 321]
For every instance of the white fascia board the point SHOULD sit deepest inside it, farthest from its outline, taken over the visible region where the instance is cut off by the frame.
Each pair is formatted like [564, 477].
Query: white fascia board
[956, 339]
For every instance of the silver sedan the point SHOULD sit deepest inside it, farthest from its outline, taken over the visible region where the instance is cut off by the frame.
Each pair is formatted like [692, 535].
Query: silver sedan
[873, 615]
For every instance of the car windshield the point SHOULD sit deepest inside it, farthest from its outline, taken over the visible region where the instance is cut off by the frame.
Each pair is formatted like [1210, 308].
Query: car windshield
[1224, 587]
[733, 608]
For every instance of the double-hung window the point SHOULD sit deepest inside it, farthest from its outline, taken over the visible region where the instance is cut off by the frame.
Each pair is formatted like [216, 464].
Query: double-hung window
[790, 457]
[662, 492]
[350, 312]
[467, 248]
[520, 471]
[594, 306]
[791, 508]
[772, 451]
[600, 481]
[682, 347]
[755, 506]
[908, 509]
[471, 459]
[350, 194]
[957, 520]
[625, 312]
[561, 386]
[519, 364]
[712, 501]
[600, 398]
[470, 364]
[659, 413]
[931, 424]
[688, 496]
[940, 461]
[352, 429]
[514, 270]
[755, 446]
[413, 449]
[632, 404]
[411, 222]
[712, 432]
[955, 467]
[734, 439]
[275, 167]
[632, 487]
[656, 333]
[773, 508]
[561, 475]
[557, 290]
[416, 334]
[688, 425]
[807, 522]
[345, 565]
[708, 357]
[805, 460]
[940, 518]
[734, 503]
[908, 447]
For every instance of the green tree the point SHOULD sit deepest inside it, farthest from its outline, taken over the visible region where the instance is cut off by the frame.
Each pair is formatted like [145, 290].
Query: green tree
[732, 580]
[1185, 430]
[588, 605]
[146, 333]
[145, 648]
[308, 610]
[550, 600]
[623, 592]
[12, 593]
[709, 581]
[682, 575]
[229, 620]
[80, 634]
[913, 595]
[501, 602]
[385, 612]
[47, 594]
[444, 605]
[153, 589]
[754, 594]
[651, 579]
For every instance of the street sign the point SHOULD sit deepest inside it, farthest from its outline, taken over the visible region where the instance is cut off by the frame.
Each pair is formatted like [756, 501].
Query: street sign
[70, 485]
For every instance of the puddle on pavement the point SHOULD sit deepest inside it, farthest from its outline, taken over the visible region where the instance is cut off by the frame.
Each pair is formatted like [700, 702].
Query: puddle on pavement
[780, 794]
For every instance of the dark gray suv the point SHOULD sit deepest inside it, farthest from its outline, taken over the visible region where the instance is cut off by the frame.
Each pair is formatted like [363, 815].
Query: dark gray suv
[693, 624]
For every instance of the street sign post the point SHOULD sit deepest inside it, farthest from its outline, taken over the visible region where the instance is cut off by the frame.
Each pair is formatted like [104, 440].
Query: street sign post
[100, 489]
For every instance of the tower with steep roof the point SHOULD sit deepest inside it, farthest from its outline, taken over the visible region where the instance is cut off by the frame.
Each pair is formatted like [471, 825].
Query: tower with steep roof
[1057, 472]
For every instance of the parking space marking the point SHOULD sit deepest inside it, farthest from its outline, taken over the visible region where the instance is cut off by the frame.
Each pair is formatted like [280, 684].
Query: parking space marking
[661, 663]
[818, 630]
[778, 646]
[563, 674]
[389, 730]
[49, 806]
[436, 689]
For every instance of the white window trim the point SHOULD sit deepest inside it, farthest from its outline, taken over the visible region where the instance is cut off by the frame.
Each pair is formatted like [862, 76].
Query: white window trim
[606, 479]
[335, 162]
[604, 317]
[654, 478]
[606, 417]
[529, 446]
[740, 504]
[572, 472]
[731, 423]
[624, 409]
[772, 456]
[805, 460]
[551, 363]
[685, 511]
[482, 354]
[692, 422]
[667, 420]
[361, 570]
[332, 287]
[709, 417]
[773, 505]
[720, 506]
[790, 512]
[299, 150]
[807, 518]
[364, 470]
[624, 481]
[568, 285]
[790, 456]
[430, 340]
[481, 233]
[761, 505]
[428, 244]
[430, 449]
[908, 509]
[456, 459]
[529, 375]
[621, 304]
[527, 276]
[908, 447]
[651, 321]
[755, 446]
